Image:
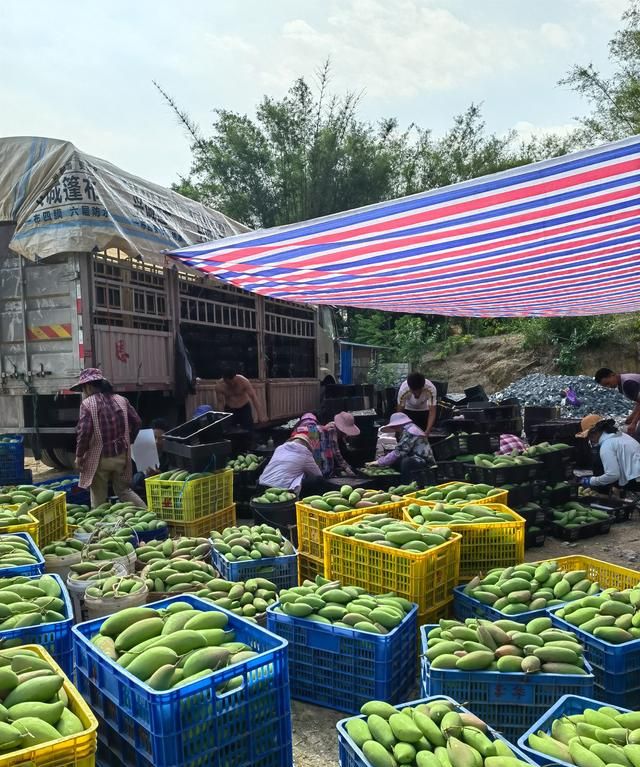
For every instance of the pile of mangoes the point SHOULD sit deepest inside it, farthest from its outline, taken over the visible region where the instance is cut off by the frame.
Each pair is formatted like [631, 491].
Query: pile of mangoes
[85, 572]
[172, 646]
[248, 462]
[527, 587]
[433, 734]
[387, 531]
[175, 576]
[574, 514]
[35, 706]
[246, 542]
[412, 487]
[458, 493]
[128, 518]
[504, 645]
[349, 498]
[15, 552]
[596, 737]
[612, 616]
[275, 495]
[115, 587]
[30, 601]
[489, 461]
[174, 548]
[543, 448]
[245, 598]
[107, 548]
[10, 516]
[64, 548]
[181, 475]
[379, 471]
[31, 495]
[349, 607]
[61, 485]
[76, 512]
[442, 513]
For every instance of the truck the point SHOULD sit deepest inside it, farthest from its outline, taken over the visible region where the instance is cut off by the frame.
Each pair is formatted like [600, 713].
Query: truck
[117, 302]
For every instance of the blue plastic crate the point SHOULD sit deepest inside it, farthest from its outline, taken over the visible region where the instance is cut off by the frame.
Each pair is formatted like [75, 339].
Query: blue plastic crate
[343, 668]
[12, 460]
[350, 754]
[508, 701]
[283, 571]
[616, 667]
[195, 725]
[467, 607]
[568, 705]
[36, 569]
[54, 637]
[75, 494]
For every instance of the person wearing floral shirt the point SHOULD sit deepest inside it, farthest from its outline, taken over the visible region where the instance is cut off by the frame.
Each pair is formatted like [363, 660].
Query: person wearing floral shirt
[412, 452]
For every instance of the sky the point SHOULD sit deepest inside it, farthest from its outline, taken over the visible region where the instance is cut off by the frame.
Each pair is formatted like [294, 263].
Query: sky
[83, 71]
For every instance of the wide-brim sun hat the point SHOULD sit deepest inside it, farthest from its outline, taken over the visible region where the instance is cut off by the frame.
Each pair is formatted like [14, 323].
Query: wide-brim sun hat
[87, 376]
[346, 423]
[589, 423]
[397, 420]
[301, 437]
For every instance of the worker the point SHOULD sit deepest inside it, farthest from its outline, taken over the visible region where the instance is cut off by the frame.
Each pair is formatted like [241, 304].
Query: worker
[107, 426]
[418, 399]
[309, 426]
[619, 453]
[238, 395]
[334, 439]
[412, 453]
[292, 467]
[629, 385]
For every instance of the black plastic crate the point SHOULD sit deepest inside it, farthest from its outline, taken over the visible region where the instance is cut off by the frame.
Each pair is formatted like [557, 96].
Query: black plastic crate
[502, 475]
[619, 510]
[601, 527]
[209, 457]
[451, 470]
[447, 448]
[534, 539]
[532, 517]
[559, 496]
[481, 411]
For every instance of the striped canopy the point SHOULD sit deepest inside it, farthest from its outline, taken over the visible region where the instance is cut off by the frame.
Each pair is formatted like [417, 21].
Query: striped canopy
[555, 238]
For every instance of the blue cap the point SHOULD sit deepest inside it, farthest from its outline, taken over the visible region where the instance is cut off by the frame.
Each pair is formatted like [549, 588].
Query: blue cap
[201, 410]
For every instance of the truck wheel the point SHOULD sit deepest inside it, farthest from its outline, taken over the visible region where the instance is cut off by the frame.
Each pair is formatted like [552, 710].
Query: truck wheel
[57, 458]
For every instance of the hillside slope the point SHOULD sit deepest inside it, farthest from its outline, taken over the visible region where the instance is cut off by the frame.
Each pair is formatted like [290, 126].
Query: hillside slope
[496, 361]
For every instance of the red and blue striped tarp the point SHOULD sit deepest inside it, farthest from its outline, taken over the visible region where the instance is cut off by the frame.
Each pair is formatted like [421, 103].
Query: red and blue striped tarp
[559, 237]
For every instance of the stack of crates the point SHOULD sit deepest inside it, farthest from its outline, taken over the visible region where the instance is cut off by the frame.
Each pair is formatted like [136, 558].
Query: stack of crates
[310, 525]
[426, 579]
[197, 723]
[12, 459]
[193, 507]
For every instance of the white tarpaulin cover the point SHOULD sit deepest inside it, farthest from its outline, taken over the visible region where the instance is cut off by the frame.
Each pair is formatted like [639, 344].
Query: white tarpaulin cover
[63, 200]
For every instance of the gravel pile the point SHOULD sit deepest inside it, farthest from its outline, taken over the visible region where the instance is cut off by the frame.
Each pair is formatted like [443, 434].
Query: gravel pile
[546, 391]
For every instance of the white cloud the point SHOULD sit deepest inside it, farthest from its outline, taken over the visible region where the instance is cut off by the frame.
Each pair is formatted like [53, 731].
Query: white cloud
[613, 9]
[558, 36]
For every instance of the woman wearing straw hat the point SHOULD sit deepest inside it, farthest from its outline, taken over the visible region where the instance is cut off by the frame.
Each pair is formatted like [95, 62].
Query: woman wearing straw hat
[412, 453]
[107, 426]
[619, 453]
[292, 466]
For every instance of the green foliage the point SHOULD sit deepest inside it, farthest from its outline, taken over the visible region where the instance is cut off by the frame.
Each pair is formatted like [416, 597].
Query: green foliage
[380, 374]
[615, 100]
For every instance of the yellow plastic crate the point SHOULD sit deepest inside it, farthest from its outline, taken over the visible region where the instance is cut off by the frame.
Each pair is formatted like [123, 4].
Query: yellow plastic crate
[309, 567]
[427, 578]
[52, 517]
[609, 576]
[434, 614]
[311, 523]
[500, 497]
[31, 527]
[190, 501]
[485, 545]
[74, 750]
[202, 528]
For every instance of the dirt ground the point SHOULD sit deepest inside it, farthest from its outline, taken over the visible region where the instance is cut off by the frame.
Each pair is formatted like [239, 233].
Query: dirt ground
[314, 732]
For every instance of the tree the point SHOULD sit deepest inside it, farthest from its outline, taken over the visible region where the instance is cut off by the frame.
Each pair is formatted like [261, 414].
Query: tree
[615, 99]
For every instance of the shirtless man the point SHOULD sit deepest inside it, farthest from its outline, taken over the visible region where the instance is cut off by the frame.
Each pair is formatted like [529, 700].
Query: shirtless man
[238, 395]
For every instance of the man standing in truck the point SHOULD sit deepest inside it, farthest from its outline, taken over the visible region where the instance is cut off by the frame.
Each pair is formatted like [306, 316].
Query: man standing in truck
[107, 426]
[237, 397]
[629, 385]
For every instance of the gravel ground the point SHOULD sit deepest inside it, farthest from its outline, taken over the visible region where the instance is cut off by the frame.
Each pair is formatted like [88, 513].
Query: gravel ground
[314, 733]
